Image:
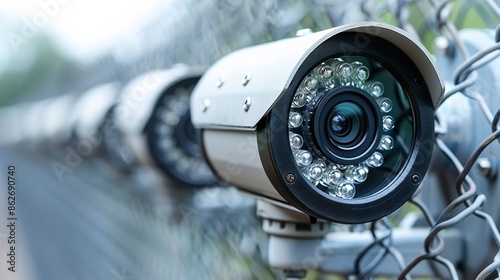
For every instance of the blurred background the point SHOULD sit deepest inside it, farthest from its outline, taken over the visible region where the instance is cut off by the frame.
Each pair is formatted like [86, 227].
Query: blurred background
[99, 222]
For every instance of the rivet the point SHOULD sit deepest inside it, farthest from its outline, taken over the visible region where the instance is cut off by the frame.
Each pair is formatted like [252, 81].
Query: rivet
[290, 177]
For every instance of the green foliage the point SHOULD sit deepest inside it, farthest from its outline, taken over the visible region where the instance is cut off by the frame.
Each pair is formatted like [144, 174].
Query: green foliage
[36, 62]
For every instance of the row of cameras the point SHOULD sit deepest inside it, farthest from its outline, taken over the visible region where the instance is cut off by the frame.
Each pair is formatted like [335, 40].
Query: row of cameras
[334, 123]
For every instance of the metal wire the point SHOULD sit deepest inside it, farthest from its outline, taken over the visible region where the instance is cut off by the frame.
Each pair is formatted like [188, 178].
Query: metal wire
[444, 23]
[467, 67]
[465, 77]
[433, 254]
[471, 208]
[494, 7]
[469, 81]
[385, 242]
[494, 122]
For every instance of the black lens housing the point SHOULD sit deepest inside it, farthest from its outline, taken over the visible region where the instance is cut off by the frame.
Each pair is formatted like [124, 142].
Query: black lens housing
[186, 139]
[187, 136]
[278, 160]
[363, 123]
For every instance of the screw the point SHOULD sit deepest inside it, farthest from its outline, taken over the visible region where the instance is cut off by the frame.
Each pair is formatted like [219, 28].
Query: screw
[247, 104]
[415, 179]
[417, 82]
[290, 178]
[247, 79]
[205, 105]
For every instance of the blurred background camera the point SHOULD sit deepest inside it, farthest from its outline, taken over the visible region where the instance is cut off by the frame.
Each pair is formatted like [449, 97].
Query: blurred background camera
[153, 116]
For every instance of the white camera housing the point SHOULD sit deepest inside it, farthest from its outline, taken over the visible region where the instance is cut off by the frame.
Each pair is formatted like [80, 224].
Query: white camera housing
[56, 121]
[92, 108]
[45, 122]
[242, 105]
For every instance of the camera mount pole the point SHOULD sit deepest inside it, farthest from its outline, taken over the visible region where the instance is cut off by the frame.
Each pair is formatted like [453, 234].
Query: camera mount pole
[296, 245]
[293, 229]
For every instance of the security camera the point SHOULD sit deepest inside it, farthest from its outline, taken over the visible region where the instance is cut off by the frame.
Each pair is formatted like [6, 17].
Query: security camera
[33, 128]
[153, 120]
[41, 123]
[22, 120]
[8, 120]
[91, 115]
[55, 122]
[94, 130]
[338, 124]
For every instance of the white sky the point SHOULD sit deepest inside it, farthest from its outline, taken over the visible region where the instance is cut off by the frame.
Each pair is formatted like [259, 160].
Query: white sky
[84, 28]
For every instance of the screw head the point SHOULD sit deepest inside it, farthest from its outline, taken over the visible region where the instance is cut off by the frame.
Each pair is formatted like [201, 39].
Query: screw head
[290, 177]
[247, 104]
[415, 179]
[247, 79]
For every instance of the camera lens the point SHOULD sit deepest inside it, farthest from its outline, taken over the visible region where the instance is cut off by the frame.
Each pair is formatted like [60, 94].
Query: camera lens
[354, 125]
[346, 124]
[341, 124]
